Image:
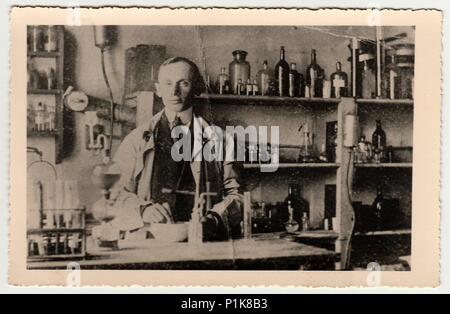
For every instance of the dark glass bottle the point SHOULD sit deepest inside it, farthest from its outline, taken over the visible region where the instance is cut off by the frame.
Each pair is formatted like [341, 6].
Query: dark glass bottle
[282, 74]
[379, 137]
[339, 82]
[294, 81]
[379, 143]
[314, 76]
[378, 207]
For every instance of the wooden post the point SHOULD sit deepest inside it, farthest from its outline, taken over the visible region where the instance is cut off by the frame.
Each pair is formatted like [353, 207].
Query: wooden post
[345, 215]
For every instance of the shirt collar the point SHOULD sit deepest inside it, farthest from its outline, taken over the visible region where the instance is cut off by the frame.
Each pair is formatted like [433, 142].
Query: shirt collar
[185, 116]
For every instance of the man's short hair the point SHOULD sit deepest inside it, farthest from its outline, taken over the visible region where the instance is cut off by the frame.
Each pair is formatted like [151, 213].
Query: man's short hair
[197, 79]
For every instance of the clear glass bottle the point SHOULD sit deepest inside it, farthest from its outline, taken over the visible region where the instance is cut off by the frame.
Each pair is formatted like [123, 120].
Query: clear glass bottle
[239, 69]
[291, 225]
[249, 87]
[52, 38]
[264, 76]
[339, 82]
[294, 81]
[323, 154]
[40, 118]
[305, 222]
[314, 76]
[392, 76]
[367, 82]
[240, 87]
[306, 146]
[282, 74]
[255, 88]
[223, 83]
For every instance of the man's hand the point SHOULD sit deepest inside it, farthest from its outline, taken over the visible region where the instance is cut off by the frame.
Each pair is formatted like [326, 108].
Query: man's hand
[157, 213]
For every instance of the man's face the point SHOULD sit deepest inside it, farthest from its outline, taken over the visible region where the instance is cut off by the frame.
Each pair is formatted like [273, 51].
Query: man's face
[175, 86]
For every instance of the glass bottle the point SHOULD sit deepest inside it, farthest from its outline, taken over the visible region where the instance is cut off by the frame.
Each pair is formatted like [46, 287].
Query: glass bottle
[339, 82]
[223, 83]
[367, 82]
[249, 87]
[294, 81]
[392, 78]
[379, 142]
[51, 117]
[264, 76]
[239, 69]
[41, 38]
[255, 88]
[282, 74]
[306, 147]
[51, 79]
[51, 37]
[291, 225]
[305, 222]
[314, 76]
[323, 154]
[378, 207]
[240, 87]
[39, 118]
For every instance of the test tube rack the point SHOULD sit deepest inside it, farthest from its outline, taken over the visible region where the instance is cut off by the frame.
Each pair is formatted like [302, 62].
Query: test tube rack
[60, 236]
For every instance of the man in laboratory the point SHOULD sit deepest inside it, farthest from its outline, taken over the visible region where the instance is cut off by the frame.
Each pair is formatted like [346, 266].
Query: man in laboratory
[150, 177]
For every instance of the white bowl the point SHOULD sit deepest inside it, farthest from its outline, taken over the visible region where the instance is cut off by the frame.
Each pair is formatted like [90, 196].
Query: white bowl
[177, 232]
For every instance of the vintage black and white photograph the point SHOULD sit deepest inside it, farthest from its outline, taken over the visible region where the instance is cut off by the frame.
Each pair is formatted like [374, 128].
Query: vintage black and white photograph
[230, 147]
[105, 189]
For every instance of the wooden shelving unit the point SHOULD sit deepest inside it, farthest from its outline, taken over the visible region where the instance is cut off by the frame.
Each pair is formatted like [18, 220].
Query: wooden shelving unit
[34, 95]
[340, 107]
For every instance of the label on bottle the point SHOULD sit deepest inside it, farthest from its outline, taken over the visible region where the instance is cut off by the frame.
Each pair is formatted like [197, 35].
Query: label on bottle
[338, 83]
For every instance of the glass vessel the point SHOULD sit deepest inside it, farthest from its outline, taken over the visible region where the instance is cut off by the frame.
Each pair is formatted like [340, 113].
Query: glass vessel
[239, 69]
[282, 74]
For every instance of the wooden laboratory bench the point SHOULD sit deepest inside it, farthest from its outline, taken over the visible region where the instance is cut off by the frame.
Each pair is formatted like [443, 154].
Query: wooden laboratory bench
[261, 252]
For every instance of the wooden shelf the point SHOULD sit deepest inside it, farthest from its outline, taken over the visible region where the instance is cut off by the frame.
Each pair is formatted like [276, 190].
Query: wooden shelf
[317, 234]
[55, 257]
[43, 91]
[294, 165]
[55, 230]
[43, 54]
[42, 133]
[385, 232]
[385, 165]
[267, 100]
[386, 102]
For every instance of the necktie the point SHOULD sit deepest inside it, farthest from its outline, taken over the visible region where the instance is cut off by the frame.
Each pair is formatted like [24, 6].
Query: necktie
[176, 122]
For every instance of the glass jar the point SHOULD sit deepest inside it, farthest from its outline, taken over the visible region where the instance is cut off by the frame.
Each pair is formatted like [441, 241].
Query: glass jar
[239, 69]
